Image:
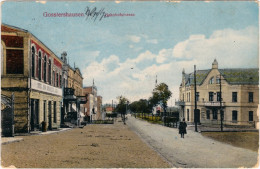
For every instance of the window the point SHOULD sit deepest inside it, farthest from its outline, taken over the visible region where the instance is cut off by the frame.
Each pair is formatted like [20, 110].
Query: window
[217, 80]
[60, 81]
[54, 113]
[57, 80]
[208, 114]
[49, 71]
[197, 96]
[53, 78]
[234, 115]
[40, 66]
[2, 59]
[234, 96]
[218, 96]
[188, 115]
[215, 114]
[250, 97]
[211, 81]
[33, 62]
[187, 97]
[14, 61]
[211, 94]
[45, 69]
[183, 97]
[44, 110]
[251, 116]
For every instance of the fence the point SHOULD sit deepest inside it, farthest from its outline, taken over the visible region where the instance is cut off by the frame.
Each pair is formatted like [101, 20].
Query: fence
[7, 116]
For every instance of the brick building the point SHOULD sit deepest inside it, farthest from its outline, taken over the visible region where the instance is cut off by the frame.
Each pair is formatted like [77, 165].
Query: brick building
[33, 73]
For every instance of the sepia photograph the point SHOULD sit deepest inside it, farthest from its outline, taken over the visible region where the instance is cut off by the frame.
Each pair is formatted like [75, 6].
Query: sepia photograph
[129, 84]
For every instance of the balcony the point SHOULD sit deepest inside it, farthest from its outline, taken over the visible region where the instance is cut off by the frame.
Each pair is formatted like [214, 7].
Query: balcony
[68, 91]
[214, 104]
[179, 103]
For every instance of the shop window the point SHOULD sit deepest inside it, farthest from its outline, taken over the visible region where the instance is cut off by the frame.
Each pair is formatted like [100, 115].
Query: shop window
[251, 115]
[40, 66]
[250, 97]
[234, 115]
[54, 112]
[14, 61]
[33, 62]
[234, 96]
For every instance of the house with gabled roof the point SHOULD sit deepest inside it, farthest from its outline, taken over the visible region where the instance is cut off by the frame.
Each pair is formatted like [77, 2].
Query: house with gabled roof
[238, 100]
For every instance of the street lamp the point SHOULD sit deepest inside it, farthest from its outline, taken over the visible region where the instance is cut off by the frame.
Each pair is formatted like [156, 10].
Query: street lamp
[220, 103]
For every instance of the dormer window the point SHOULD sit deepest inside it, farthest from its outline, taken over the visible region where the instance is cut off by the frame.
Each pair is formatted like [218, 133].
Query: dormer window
[211, 81]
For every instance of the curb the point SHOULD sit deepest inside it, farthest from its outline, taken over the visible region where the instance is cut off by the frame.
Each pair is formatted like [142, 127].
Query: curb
[11, 140]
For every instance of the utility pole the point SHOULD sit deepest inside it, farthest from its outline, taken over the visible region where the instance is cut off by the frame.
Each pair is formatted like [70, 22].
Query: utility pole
[220, 101]
[195, 110]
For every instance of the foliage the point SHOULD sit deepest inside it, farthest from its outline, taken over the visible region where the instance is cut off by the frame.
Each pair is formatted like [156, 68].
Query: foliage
[122, 105]
[161, 94]
[141, 106]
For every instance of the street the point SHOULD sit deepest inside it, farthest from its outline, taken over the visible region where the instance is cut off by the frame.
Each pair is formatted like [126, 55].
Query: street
[94, 146]
[194, 151]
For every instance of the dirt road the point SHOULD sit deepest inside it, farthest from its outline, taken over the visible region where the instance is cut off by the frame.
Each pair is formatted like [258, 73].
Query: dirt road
[195, 150]
[94, 146]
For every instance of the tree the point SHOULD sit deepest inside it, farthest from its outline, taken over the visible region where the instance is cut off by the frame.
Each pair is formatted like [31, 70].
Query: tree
[161, 94]
[121, 107]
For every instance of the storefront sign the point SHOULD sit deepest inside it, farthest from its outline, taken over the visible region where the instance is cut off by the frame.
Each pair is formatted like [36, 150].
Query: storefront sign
[40, 86]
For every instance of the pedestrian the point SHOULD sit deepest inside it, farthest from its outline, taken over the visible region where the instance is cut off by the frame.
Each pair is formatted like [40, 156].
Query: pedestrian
[182, 128]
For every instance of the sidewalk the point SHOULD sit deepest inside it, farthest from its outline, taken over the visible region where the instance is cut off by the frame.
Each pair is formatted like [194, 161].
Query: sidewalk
[17, 138]
[195, 151]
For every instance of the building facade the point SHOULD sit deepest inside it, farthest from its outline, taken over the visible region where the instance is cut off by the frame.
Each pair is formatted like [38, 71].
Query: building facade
[91, 107]
[33, 73]
[238, 99]
[73, 96]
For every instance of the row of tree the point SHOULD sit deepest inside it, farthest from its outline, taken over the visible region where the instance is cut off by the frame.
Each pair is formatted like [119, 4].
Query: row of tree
[160, 95]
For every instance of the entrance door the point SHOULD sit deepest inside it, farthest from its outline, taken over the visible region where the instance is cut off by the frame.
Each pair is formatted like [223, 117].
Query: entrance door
[32, 114]
[49, 116]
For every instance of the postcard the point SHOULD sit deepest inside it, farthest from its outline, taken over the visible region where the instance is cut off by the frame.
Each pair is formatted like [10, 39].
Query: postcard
[129, 84]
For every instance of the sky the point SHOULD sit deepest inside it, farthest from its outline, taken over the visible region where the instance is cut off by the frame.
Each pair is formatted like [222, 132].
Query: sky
[123, 54]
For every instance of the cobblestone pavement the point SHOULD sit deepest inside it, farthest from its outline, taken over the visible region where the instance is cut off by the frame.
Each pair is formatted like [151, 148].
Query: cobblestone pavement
[194, 151]
[94, 146]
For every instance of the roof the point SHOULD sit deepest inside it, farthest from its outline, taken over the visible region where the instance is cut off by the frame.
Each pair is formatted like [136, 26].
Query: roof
[10, 28]
[237, 76]
[200, 77]
[241, 76]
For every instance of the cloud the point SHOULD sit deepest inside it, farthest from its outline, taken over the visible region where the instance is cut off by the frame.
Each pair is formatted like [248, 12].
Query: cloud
[153, 41]
[233, 48]
[133, 38]
[135, 78]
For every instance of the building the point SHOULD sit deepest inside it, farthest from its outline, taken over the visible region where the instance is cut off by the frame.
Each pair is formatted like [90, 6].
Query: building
[100, 113]
[33, 73]
[239, 90]
[91, 107]
[73, 95]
